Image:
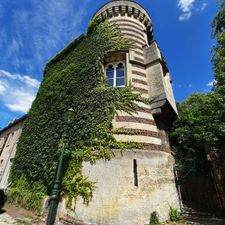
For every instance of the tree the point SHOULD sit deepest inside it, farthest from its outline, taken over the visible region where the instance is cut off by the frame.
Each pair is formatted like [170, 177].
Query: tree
[200, 128]
[218, 57]
[189, 134]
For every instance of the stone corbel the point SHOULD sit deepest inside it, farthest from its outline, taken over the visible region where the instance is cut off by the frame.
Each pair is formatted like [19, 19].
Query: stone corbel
[123, 10]
[110, 12]
[116, 10]
[99, 18]
[146, 21]
[129, 11]
[141, 16]
[104, 15]
[136, 13]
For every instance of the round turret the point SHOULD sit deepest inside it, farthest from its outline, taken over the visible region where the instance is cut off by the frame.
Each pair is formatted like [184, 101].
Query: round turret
[135, 23]
[128, 13]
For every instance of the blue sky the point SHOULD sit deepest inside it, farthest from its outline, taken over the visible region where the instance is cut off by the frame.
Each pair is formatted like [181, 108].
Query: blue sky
[32, 32]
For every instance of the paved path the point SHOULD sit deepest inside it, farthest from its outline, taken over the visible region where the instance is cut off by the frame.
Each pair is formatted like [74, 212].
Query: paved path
[6, 219]
[12, 215]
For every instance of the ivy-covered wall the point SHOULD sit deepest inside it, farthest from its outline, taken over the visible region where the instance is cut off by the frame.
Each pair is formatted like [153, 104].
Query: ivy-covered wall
[73, 79]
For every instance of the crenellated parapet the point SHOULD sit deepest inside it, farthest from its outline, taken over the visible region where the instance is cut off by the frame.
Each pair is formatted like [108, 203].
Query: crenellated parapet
[122, 8]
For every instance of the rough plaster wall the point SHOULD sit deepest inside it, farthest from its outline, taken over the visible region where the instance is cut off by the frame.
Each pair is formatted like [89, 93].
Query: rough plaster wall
[155, 80]
[169, 91]
[117, 201]
[163, 134]
[152, 53]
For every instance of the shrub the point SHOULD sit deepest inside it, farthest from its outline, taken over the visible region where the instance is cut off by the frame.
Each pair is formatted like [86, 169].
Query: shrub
[154, 219]
[175, 215]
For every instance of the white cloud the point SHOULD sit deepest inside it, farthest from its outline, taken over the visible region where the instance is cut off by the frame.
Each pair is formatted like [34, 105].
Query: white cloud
[21, 102]
[186, 7]
[17, 91]
[190, 85]
[203, 6]
[185, 16]
[210, 84]
[23, 78]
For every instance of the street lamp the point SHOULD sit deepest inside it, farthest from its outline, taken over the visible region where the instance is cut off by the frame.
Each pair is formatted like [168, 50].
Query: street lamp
[54, 198]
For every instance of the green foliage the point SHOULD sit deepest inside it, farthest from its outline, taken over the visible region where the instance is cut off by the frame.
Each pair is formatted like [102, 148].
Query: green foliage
[218, 50]
[201, 120]
[154, 219]
[175, 215]
[74, 79]
[25, 195]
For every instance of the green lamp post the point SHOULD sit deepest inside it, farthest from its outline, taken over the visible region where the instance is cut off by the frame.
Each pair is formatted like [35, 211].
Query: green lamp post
[54, 198]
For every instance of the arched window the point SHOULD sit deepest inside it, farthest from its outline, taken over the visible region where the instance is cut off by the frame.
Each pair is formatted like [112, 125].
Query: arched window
[110, 75]
[115, 73]
[120, 75]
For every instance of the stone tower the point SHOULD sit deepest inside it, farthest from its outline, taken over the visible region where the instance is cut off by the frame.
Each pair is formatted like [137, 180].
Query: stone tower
[139, 181]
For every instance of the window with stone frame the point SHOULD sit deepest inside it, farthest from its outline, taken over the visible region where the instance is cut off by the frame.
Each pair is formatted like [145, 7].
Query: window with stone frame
[115, 74]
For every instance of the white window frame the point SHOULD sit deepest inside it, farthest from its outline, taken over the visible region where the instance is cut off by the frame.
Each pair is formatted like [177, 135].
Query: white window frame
[115, 64]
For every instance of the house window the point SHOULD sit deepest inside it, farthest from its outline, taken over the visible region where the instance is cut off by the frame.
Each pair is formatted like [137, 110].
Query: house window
[110, 75]
[115, 73]
[9, 139]
[4, 143]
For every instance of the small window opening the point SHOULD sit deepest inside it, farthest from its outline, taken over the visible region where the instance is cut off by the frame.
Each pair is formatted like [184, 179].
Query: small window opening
[135, 173]
[115, 74]
[149, 35]
[4, 143]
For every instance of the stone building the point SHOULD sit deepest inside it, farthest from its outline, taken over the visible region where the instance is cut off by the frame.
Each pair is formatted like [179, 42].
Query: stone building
[139, 181]
[9, 137]
[132, 185]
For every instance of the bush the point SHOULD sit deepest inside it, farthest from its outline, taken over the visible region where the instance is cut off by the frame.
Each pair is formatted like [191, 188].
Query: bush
[154, 219]
[175, 215]
[24, 195]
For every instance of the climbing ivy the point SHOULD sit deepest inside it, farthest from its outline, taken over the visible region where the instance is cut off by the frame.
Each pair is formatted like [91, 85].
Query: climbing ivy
[74, 79]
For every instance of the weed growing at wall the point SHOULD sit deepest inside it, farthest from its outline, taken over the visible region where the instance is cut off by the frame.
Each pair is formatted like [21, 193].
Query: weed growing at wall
[175, 215]
[154, 219]
[74, 79]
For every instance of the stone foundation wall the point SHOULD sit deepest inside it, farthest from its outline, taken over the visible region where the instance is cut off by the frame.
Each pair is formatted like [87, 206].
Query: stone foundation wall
[116, 199]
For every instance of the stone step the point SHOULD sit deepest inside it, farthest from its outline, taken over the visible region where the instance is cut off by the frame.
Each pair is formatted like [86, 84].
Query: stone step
[206, 220]
[186, 210]
[201, 218]
[67, 220]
